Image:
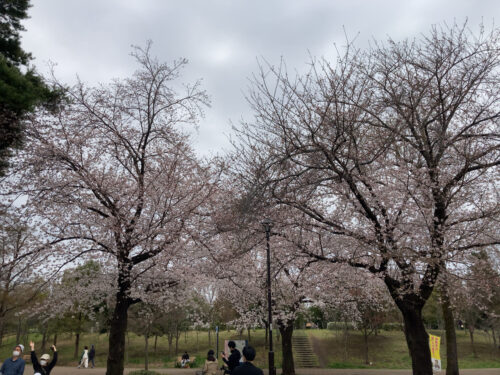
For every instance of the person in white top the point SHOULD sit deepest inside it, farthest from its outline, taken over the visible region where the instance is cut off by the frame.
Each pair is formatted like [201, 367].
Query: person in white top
[84, 361]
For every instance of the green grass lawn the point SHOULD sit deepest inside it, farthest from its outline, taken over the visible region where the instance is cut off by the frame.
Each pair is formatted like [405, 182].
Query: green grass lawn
[389, 350]
[386, 350]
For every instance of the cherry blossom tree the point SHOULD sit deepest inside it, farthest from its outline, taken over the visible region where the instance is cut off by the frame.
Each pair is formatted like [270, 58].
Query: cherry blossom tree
[298, 281]
[20, 262]
[473, 293]
[392, 155]
[113, 176]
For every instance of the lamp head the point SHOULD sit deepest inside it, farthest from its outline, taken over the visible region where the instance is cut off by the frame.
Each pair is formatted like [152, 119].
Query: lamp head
[267, 223]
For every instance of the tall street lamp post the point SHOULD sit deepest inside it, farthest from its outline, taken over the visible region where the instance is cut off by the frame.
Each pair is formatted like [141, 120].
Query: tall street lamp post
[267, 223]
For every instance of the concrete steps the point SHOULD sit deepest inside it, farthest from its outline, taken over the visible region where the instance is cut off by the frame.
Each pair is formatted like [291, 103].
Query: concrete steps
[304, 356]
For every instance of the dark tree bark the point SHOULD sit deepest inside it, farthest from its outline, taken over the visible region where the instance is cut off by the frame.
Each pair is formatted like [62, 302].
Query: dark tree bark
[77, 344]
[156, 342]
[177, 336]
[2, 329]
[493, 334]
[146, 352]
[170, 337]
[18, 332]
[77, 334]
[44, 338]
[471, 335]
[118, 328]
[416, 338]
[451, 336]
[54, 342]
[288, 366]
[365, 337]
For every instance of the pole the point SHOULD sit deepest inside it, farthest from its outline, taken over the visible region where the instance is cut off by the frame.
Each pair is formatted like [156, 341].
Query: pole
[217, 340]
[272, 369]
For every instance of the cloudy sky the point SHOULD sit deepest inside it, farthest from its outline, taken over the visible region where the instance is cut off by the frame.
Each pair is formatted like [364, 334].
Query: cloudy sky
[223, 38]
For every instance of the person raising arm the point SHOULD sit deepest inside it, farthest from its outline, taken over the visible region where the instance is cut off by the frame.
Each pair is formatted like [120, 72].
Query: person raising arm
[44, 366]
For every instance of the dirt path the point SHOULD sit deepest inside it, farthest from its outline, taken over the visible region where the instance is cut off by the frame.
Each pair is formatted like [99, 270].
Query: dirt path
[102, 371]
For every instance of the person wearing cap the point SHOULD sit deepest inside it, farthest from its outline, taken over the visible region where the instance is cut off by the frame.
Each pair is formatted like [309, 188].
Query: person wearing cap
[15, 364]
[248, 368]
[44, 367]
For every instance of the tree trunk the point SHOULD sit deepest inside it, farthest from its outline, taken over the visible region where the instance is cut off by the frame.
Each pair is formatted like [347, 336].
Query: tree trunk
[471, 334]
[118, 328]
[156, 341]
[18, 333]
[209, 336]
[2, 329]
[44, 338]
[55, 339]
[493, 333]
[288, 367]
[451, 335]
[146, 352]
[170, 337]
[249, 338]
[365, 336]
[416, 337]
[346, 338]
[77, 344]
[177, 335]
[77, 333]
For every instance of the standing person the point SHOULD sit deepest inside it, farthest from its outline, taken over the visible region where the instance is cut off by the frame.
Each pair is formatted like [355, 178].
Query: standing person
[234, 359]
[15, 364]
[211, 366]
[84, 360]
[43, 367]
[92, 355]
[248, 368]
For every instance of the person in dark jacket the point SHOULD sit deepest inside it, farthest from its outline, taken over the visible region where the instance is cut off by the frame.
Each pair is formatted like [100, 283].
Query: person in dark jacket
[234, 359]
[185, 360]
[43, 367]
[248, 368]
[92, 355]
[15, 364]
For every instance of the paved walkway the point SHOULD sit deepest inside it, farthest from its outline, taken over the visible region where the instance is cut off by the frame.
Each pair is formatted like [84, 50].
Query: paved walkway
[173, 371]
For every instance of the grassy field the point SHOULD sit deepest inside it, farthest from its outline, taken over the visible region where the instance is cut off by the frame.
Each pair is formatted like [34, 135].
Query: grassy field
[387, 350]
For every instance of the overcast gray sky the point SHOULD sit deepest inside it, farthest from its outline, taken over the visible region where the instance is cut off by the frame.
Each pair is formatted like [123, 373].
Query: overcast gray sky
[223, 38]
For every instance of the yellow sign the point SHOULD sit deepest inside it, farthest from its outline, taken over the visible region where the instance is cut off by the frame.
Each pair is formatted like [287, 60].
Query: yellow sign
[434, 343]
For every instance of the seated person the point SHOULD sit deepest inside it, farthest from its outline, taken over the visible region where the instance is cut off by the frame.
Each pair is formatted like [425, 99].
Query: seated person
[184, 360]
[211, 366]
